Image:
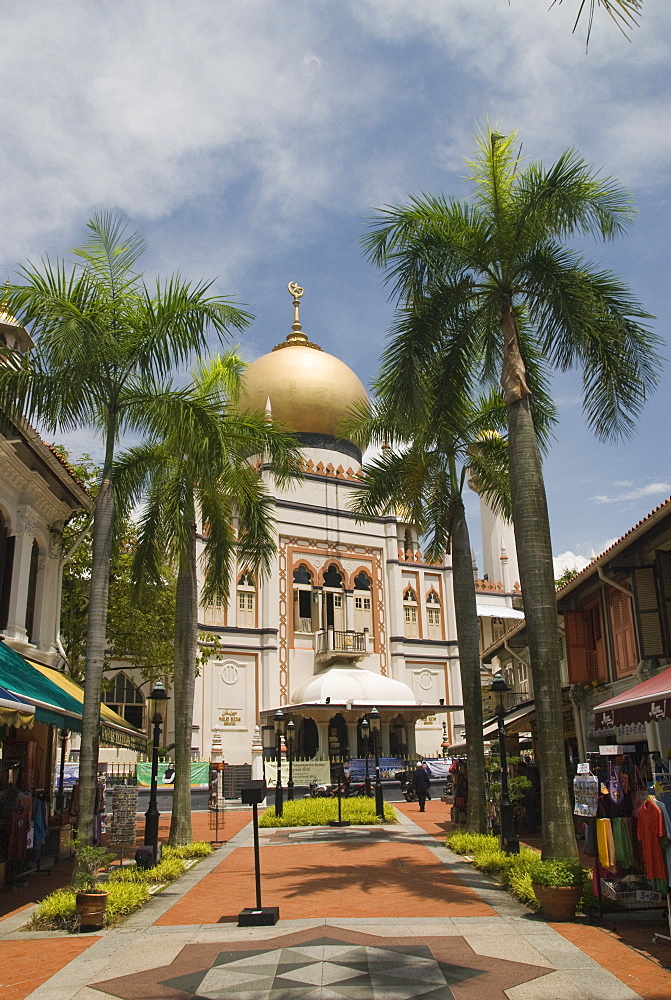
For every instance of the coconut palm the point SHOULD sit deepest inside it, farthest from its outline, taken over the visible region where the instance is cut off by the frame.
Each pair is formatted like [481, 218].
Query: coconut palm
[423, 469]
[490, 288]
[625, 13]
[200, 469]
[105, 342]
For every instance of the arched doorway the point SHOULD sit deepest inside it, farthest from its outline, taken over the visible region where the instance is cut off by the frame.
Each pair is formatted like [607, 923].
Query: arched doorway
[307, 743]
[398, 737]
[338, 742]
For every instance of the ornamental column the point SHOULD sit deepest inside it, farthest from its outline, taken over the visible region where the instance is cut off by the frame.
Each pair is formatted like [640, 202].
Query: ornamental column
[23, 547]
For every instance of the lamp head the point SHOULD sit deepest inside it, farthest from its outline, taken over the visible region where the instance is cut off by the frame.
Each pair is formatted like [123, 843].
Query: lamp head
[374, 719]
[279, 723]
[291, 730]
[365, 728]
[156, 699]
[500, 689]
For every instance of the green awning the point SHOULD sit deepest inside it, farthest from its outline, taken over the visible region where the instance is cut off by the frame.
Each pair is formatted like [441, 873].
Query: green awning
[53, 706]
[59, 701]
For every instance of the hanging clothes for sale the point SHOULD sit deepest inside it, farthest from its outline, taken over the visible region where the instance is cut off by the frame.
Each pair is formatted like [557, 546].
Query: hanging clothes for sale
[650, 829]
[606, 844]
[624, 853]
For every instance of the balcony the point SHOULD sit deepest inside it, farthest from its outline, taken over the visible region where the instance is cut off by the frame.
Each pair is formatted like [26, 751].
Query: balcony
[333, 645]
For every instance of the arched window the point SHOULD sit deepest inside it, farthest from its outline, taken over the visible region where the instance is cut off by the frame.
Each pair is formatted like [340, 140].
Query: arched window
[32, 590]
[246, 617]
[305, 610]
[6, 568]
[215, 612]
[433, 624]
[363, 607]
[333, 599]
[410, 613]
[124, 698]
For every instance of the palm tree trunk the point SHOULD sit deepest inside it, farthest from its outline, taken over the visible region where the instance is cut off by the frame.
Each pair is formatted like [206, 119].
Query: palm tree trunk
[96, 641]
[534, 555]
[186, 648]
[469, 664]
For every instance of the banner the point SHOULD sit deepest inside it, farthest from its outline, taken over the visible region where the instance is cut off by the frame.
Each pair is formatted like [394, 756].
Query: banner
[304, 771]
[389, 767]
[200, 774]
[70, 775]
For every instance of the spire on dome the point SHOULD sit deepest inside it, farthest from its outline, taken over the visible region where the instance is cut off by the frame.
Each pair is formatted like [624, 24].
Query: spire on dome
[296, 338]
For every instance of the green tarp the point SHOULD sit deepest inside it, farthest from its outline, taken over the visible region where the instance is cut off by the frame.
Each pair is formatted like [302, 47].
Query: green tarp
[52, 705]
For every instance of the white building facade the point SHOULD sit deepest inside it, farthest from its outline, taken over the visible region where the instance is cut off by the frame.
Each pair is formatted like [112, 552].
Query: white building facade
[351, 614]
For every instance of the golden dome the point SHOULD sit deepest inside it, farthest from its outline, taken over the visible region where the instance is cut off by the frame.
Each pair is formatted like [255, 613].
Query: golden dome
[309, 390]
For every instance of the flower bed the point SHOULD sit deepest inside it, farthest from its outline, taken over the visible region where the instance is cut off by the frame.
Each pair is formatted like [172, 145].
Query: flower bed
[129, 889]
[320, 812]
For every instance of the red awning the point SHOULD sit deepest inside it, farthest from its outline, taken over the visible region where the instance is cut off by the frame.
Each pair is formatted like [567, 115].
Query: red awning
[649, 701]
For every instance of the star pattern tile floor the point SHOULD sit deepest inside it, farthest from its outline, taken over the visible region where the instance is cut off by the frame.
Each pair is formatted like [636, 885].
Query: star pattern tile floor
[306, 966]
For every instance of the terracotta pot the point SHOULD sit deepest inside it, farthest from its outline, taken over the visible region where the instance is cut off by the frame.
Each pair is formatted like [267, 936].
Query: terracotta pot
[91, 908]
[558, 902]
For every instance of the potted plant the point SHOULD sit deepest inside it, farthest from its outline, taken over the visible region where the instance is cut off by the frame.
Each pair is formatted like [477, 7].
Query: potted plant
[558, 885]
[91, 902]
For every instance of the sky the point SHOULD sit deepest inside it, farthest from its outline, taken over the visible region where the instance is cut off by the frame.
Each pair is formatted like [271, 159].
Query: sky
[250, 140]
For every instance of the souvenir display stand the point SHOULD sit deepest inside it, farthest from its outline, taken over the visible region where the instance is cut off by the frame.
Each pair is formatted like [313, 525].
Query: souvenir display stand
[124, 816]
[627, 829]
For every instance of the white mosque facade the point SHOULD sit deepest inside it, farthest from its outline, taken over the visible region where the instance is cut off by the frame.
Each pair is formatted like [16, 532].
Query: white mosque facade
[351, 616]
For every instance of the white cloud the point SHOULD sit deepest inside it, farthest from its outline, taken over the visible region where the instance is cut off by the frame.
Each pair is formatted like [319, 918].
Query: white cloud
[649, 490]
[568, 560]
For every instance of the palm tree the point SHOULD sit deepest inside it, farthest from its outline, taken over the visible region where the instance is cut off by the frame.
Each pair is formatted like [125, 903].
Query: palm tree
[105, 342]
[490, 288]
[625, 13]
[201, 469]
[425, 473]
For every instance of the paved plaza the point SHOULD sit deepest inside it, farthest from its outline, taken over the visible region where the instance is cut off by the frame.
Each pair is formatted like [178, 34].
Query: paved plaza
[364, 913]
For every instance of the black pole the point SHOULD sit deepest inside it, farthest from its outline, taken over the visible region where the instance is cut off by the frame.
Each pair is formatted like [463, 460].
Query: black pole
[257, 855]
[379, 800]
[290, 782]
[152, 814]
[279, 802]
[60, 798]
[368, 789]
[339, 803]
[509, 839]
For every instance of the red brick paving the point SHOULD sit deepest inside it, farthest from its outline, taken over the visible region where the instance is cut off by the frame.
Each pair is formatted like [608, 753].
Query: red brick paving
[378, 879]
[25, 965]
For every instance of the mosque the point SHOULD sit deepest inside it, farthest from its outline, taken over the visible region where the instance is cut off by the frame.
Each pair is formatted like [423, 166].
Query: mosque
[351, 616]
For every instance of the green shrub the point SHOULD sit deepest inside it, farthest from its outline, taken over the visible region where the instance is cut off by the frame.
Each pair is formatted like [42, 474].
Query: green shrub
[319, 812]
[166, 870]
[55, 912]
[199, 849]
[123, 899]
[557, 872]
[471, 843]
[520, 886]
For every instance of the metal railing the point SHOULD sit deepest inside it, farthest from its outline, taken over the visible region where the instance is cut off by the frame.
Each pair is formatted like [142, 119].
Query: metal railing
[341, 642]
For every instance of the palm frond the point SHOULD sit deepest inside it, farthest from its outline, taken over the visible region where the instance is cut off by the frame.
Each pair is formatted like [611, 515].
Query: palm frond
[625, 13]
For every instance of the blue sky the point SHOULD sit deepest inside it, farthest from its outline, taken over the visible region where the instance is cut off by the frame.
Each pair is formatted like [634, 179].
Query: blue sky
[249, 140]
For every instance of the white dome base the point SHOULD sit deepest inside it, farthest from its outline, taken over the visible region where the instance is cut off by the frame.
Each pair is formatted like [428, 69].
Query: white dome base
[342, 682]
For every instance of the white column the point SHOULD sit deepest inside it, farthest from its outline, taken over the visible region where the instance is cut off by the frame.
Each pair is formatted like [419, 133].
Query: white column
[412, 740]
[323, 733]
[352, 728]
[384, 739]
[23, 546]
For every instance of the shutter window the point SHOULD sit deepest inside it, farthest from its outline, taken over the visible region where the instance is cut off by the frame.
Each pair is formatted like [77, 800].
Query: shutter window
[648, 618]
[576, 647]
[664, 579]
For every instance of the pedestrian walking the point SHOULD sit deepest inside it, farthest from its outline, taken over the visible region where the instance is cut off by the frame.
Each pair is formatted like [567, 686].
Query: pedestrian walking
[421, 782]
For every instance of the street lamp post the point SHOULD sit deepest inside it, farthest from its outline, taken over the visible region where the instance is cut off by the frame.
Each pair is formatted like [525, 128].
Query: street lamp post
[365, 735]
[374, 720]
[63, 736]
[508, 836]
[291, 731]
[280, 726]
[444, 746]
[156, 705]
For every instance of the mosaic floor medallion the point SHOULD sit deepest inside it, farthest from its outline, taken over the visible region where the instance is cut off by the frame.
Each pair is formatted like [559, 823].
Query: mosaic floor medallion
[341, 966]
